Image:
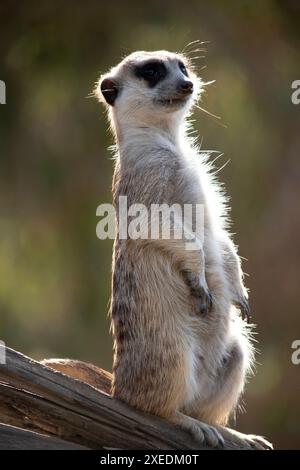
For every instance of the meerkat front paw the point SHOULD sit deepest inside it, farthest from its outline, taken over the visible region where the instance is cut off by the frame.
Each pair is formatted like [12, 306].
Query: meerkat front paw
[199, 291]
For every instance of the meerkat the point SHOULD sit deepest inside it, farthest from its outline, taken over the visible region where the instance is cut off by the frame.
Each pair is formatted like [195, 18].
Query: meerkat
[182, 350]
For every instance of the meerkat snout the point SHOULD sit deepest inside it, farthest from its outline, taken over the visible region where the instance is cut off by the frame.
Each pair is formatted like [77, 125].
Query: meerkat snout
[185, 87]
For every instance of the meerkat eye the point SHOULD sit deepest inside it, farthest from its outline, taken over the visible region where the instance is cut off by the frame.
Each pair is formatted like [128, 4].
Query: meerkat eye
[183, 68]
[152, 72]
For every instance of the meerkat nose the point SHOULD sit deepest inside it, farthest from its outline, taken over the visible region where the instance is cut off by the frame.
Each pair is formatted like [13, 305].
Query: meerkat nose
[186, 87]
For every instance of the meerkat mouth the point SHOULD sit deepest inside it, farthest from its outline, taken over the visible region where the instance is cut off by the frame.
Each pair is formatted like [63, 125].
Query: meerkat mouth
[173, 101]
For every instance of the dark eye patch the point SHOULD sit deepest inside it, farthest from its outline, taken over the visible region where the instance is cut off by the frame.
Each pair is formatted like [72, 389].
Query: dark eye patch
[151, 71]
[183, 68]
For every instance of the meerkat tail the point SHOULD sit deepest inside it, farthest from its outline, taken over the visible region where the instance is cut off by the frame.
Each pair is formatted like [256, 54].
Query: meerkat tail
[83, 371]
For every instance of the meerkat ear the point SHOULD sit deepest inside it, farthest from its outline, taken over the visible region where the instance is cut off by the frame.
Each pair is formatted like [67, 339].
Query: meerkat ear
[109, 90]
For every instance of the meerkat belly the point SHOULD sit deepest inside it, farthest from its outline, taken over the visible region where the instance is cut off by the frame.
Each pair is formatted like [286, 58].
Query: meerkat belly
[209, 336]
[194, 193]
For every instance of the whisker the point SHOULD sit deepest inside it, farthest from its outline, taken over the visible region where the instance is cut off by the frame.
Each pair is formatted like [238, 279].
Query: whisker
[197, 57]
[222, 167]
[211, 114]
[197, 41]
[209, 83]
[199, 49]
[217, 158]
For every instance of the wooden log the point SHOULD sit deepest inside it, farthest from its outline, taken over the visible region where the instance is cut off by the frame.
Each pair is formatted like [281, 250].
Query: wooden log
[37, 398]
[12, 438]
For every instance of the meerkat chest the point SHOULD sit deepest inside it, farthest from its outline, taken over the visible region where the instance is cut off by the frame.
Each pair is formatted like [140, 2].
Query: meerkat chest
[158, 174]
[190, 185]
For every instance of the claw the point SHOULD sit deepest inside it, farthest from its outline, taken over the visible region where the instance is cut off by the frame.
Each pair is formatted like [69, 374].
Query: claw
[204, 301]
[258, 442]
[244, 307]
[199, 292]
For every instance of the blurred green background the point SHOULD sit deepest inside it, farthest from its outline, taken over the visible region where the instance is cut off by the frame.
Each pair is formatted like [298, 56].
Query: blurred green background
[55, 170]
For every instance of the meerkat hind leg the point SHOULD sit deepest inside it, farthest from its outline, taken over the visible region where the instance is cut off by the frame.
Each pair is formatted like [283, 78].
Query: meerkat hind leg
[202, 432]
[252, 440]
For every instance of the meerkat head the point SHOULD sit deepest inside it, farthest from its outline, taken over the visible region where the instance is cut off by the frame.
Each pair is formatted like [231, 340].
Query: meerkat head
[147, 88]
